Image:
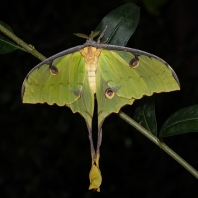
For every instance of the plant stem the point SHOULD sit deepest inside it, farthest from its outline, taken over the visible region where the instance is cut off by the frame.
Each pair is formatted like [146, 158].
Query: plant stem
[28, 48]
[162, 145]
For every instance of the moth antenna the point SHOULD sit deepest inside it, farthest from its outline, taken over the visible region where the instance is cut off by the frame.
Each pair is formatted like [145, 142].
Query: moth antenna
[101, 35]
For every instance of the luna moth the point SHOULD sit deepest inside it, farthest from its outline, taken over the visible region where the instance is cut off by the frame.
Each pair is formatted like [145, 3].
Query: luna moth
[113, 75]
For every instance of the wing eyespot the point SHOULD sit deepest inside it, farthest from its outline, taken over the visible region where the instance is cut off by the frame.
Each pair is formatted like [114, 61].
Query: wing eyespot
[134, 62]
[53, 70]
[109, 93]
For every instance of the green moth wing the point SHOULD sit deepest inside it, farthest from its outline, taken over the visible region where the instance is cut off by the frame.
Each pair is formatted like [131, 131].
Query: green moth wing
[129, 74]
[61, 80]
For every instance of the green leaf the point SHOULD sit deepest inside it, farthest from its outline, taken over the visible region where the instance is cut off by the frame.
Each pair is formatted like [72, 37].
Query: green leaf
[6, 26]
[6, 44]
[183, 121]
[145, 114]
[82, 35]
[121, 24]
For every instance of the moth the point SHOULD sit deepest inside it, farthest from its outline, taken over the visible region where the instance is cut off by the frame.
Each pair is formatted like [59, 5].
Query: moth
[113, 75]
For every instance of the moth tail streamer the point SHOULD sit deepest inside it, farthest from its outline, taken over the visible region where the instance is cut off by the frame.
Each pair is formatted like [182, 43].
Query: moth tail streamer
[95, 176]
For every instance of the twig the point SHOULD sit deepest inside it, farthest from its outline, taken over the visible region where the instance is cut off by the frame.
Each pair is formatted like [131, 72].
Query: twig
[162, 145]
[28, 48]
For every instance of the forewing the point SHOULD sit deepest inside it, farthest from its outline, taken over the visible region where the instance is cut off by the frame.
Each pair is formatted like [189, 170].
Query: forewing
[130, 77]
[63, 82]
[136, 75]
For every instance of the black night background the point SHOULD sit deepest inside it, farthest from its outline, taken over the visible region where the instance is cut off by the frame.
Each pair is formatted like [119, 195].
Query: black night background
[45, 150]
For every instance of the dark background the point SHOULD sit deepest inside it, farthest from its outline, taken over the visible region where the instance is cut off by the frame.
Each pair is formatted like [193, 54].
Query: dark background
[44, 150]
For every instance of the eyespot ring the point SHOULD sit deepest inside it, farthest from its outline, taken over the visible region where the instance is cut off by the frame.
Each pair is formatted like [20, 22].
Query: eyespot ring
[53, 70]
[134, 62]
[109, 93]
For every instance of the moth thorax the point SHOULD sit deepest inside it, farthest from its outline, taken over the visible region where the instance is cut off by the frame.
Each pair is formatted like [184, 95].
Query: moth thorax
[91, 55]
